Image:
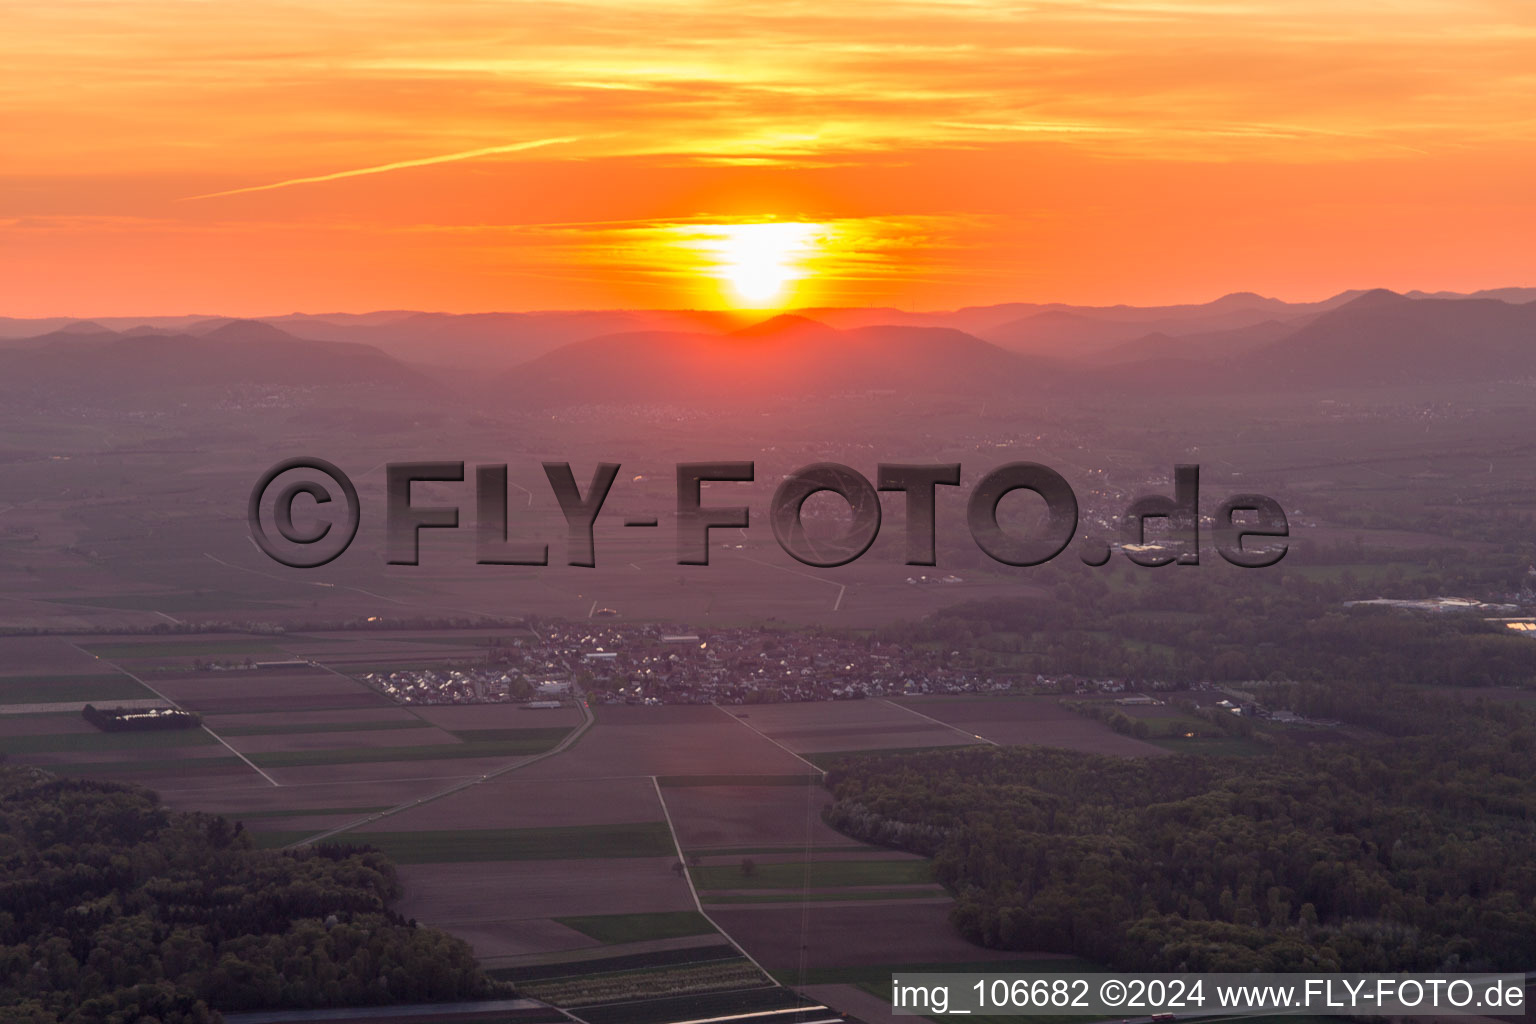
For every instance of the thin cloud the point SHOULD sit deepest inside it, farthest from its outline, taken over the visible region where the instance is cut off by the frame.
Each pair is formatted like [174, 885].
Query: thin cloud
[469, 154]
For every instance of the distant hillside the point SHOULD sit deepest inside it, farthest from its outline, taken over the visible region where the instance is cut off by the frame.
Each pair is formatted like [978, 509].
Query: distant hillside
[1385, 338]
[146, 366]
[493, 342]
[787, 356]
[1086, 332]
[1238, 342]
[1068, 335]
[1377, 339]
[1209, 348]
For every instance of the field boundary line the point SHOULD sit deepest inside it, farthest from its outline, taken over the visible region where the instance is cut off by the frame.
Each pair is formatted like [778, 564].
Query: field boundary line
[842, 588]
[248, 762]
[588, 720]
[935, 721]
[698, 905]
[298, 583]
[819, 771]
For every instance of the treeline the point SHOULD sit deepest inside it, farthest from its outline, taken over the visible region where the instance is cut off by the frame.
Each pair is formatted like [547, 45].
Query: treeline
[1214, 721]
[113, 908]
[123, 720]
[1182, 626]
[1415, 854]
[369, 624]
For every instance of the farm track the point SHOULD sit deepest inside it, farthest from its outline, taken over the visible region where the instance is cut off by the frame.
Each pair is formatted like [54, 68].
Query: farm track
[587, 721]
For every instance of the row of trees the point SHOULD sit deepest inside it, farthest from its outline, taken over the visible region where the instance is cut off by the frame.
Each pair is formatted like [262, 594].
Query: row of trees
[113, 908]
[122, 720]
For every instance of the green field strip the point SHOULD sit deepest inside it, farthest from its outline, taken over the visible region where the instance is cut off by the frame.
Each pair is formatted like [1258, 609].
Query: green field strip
[345, 706]
[826, 874]
[824, 759]
[549, 734]
[309, 727]
[75, 742]
[182, 766]
[792, 898]
[621, 962]
[308, 812]
[615, 928]
[477, 640]
[546, 739]
[207, 648]
[569, 842]
[168, 602]
[649, 983]
[684, 781]
[100, 689]
[795, 848]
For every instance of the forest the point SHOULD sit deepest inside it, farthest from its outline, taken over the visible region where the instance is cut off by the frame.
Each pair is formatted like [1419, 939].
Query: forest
[113, 908]
[1182, 625]
[1414, 853]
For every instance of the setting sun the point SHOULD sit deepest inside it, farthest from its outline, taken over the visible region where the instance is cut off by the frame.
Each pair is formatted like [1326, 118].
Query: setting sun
[760, 261]
[465, 155]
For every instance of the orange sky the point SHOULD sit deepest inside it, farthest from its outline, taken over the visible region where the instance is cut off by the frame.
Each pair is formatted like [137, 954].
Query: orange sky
[949, 152]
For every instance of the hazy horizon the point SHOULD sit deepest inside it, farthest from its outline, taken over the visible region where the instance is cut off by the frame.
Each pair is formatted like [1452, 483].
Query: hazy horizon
[755, 313]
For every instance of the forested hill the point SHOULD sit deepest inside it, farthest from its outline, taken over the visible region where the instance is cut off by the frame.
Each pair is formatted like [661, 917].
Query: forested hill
[113, 908]
[1413, 854]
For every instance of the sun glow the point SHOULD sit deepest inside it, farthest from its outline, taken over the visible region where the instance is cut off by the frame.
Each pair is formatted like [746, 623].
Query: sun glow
[760, 261]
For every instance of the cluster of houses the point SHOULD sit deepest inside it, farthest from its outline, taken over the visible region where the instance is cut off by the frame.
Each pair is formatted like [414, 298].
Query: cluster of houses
[655, 664]
[488, 685]
[638, 664]
[649, 664]
[1243, 704]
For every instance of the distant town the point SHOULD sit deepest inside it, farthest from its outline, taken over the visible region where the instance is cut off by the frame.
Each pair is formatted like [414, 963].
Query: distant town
[655, 665]
[652, 664]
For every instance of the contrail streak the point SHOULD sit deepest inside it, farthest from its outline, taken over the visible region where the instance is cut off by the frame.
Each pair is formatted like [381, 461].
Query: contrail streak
[447, 158]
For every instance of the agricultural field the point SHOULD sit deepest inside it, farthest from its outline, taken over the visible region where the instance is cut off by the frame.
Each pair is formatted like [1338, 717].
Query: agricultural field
[45, 681]
[852, 935]
[615, 857]
[848, 726]
[750, 819]
[45, 657]
[1029, 721]
[513, 908]
[669, 741]
[514, 802]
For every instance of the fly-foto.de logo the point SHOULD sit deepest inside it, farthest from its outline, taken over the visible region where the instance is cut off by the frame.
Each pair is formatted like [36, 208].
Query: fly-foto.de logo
[1247, 530]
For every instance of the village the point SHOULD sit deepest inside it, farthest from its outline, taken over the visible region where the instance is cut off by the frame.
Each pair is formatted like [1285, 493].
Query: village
[647, 664]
